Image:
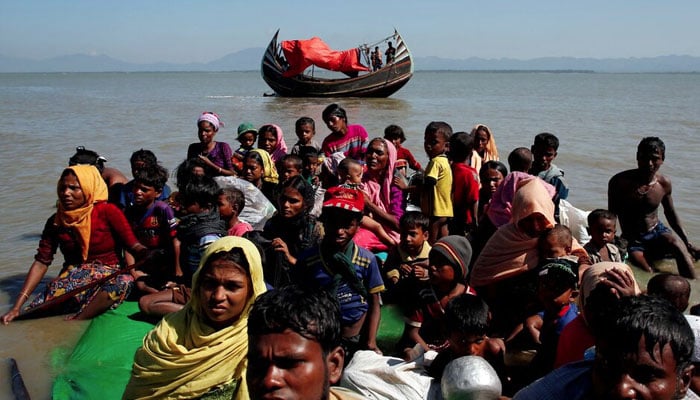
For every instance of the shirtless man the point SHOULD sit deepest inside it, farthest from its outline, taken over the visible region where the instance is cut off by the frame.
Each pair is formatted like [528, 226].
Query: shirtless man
[635, 195]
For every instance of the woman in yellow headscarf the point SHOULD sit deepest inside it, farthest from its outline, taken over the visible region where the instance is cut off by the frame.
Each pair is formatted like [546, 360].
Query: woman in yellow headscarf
[200, 351]
[88, 230]
[260, 170]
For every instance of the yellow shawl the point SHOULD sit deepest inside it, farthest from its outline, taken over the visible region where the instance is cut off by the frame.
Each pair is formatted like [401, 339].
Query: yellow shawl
[95, 190]
[269, 169]
[183, 357]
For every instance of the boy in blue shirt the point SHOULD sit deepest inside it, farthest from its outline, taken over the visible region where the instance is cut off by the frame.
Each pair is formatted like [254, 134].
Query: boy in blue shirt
[348, 271]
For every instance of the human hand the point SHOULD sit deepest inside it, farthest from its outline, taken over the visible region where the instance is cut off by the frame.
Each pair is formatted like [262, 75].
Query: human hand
[9, 316]
[620, 282]
[405, 269]
[280, 246]
[420, 273]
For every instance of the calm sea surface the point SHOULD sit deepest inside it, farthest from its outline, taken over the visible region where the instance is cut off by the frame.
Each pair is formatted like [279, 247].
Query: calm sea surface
[599, 119]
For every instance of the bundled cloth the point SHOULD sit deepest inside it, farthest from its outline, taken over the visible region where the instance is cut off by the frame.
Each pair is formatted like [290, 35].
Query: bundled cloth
[258, 209]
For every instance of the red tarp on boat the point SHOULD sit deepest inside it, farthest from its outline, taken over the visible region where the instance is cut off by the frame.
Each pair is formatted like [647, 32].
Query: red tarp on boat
[301, 54]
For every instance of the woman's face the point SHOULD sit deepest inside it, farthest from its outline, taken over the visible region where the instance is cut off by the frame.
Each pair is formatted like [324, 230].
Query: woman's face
[534, 225]
[336, 124]
[481, 139]
[493, 180]
[267, 141]
[70, 193]
[225, 289]
[252, 171]
[291, 203]
[377, 156]
[206, 132]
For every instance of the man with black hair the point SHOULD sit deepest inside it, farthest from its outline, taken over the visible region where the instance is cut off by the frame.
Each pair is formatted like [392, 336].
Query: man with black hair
[635, 195]
[644, 352]
[294, 349]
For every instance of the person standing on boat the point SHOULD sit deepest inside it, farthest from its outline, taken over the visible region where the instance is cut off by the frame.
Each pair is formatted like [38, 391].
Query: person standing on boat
[390, 54]
[635, 195]
[88, 230]
[376, 59]
[351, 140]
[216, 155]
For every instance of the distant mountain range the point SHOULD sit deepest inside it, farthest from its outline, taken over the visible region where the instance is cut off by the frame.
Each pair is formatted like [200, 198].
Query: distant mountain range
[249, 60]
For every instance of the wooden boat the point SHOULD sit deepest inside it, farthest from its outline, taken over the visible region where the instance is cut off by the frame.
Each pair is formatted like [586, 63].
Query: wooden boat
[299, 81]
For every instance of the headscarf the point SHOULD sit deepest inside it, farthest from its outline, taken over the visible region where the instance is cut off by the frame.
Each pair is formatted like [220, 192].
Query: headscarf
[490, 152]
[594, 274]
[212, 118]
[500, 207]
[183, 357]
[510, 252]
[281, 149]
[269, 169]
[95, 190]
[457, 250]
[380, 191]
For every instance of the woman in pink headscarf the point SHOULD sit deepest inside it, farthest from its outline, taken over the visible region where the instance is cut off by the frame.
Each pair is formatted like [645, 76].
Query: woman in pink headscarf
[383, 199]
[504, 273]
[271, 139]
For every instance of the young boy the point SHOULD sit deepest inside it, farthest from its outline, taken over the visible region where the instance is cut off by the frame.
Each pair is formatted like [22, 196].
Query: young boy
[305, 129]
[247, 136]
[544, 151]
[465, 185]
[290, 165]
[410, 258]
[140, 159]
[198, 228]
[351, 272]
[602, 225]
[467, 323]
[231, 202]
[436, 199]
[155, 226]
[395, 135]
[449, 261]
[350, 175]
[557, 289]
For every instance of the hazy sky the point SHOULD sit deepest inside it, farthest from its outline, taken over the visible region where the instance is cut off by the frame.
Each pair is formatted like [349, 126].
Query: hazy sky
[200, 31]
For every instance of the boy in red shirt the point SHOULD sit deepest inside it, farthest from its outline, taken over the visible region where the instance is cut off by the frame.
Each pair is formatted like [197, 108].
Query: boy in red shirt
[465, 185]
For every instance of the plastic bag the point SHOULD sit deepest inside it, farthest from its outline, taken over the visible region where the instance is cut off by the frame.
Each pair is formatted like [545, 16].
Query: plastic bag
[576, 220]
[257, 209]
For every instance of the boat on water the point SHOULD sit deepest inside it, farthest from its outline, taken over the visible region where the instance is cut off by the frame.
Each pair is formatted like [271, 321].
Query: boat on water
[300, 68]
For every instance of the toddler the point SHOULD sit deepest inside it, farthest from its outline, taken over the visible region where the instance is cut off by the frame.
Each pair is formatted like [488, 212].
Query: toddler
[231, 202]
[602, 225]
[305, 129]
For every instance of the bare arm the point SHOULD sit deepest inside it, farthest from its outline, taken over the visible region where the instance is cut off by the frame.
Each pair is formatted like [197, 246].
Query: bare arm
[34, 276]
[671, 215]
[373, 318]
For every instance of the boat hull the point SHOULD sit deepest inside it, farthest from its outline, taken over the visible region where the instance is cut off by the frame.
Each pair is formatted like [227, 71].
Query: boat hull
[381, 83]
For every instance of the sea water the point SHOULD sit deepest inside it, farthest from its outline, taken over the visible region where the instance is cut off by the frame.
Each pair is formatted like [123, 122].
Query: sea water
[598, 118]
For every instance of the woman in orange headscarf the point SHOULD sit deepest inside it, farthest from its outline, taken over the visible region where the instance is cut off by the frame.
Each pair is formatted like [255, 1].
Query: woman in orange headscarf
[88, 230]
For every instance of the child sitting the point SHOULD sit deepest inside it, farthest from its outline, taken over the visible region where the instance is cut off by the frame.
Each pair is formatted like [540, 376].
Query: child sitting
[467, 323]
[139, 160]
[395, 135]
[556, 291]
[155, 226]
[436, 196]
[602, 225]
[199, 227]
[350, 176]
[406, 266]
[231, 202]
[449, 262]
[305, 129]
[351, 272]
[465, 185]
[673, 288]
[247, 135]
